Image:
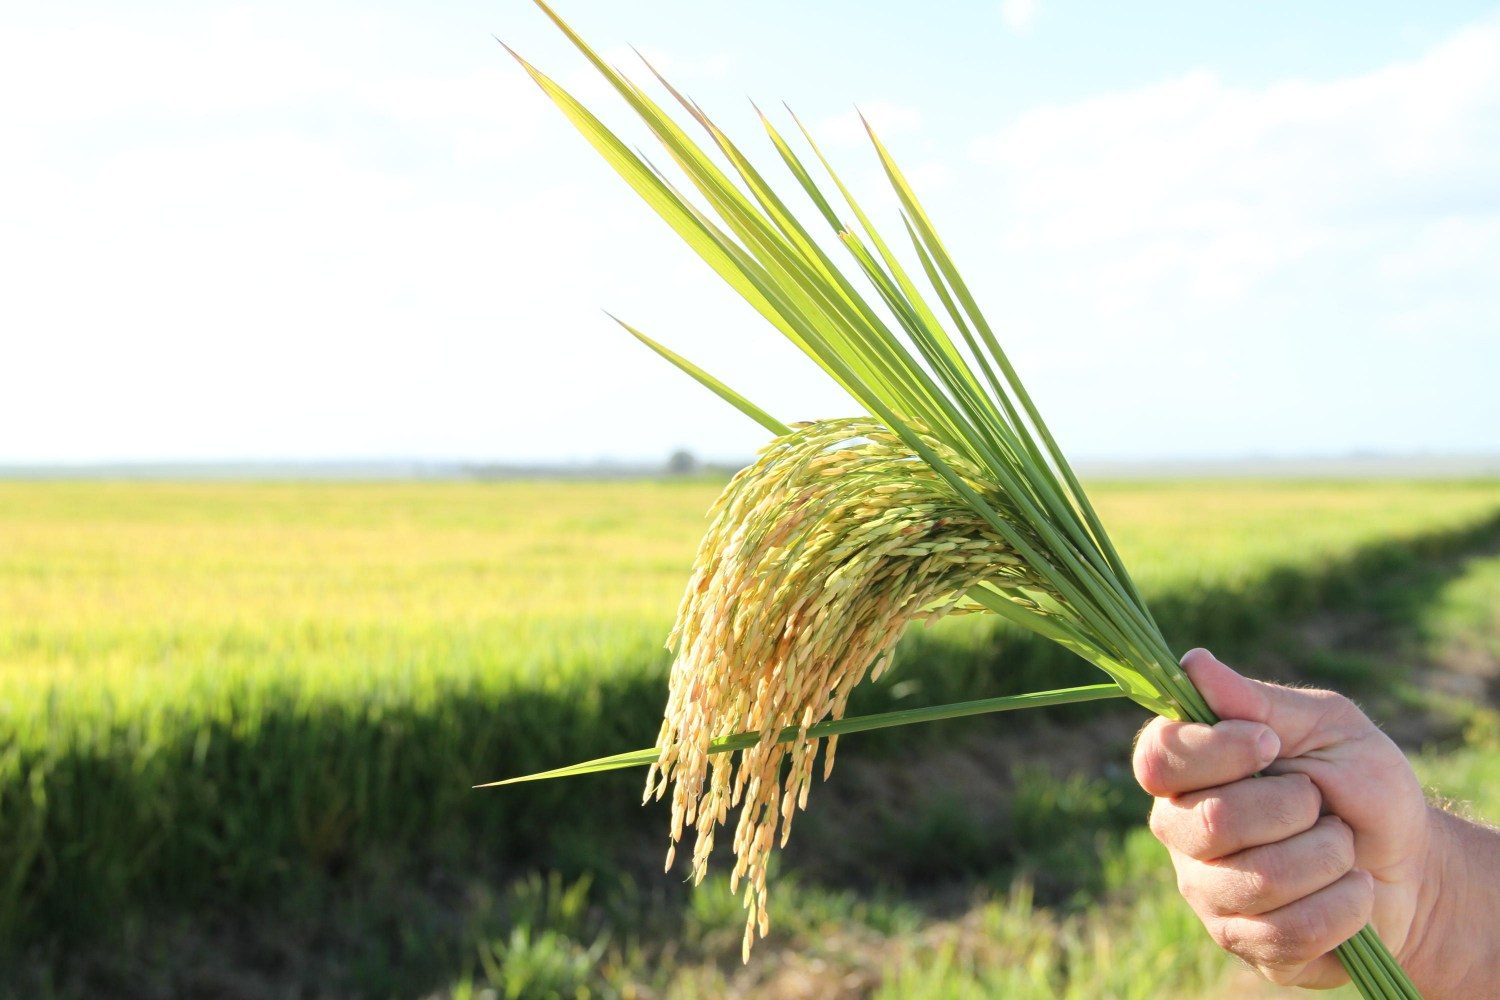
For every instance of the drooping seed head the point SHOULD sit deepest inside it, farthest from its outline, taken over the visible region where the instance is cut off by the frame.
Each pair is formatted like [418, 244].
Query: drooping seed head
[817, 557]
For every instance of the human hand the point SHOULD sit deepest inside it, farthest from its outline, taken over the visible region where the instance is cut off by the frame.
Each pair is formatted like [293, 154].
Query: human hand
[1283, 868]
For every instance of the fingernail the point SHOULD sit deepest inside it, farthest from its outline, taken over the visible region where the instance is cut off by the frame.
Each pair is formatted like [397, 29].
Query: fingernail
[1267, 746]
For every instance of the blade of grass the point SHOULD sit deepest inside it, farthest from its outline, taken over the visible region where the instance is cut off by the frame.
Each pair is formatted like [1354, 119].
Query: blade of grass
[719, 389]
[918, 217]
[839, 727]
[794, 285]
[785, 299]
[801, 300]
[1022, 488]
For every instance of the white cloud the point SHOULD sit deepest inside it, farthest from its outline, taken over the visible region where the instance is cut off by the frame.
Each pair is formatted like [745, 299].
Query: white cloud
[234, 242]
[233, 70]
[1018, 14]
[285, 231]
[1310, 264]
[928, 176]
[1195, 187]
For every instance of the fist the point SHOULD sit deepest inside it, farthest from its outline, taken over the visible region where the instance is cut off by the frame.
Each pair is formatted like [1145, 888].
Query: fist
[1285, 866]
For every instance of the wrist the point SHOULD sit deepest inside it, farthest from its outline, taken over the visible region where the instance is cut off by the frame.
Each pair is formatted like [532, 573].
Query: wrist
[1441, 951]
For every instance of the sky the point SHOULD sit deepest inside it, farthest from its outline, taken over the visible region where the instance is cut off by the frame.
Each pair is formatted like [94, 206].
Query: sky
[312, 231]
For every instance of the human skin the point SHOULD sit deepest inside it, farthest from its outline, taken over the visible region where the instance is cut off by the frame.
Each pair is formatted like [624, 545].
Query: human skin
[1334, 834]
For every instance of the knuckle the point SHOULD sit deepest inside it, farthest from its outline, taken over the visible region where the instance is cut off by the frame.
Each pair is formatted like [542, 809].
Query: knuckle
[1210, 894]
[1284, 807]
[1157, 821]
[1334, 861]
[1213, 817]
[1343, 838]
[1152, 762]
[1187, 888]
[1148, 766]
[1298, 936]
[1292, 805]
[1333, 702]
[1338, 712]
[1280, 975]
[1312, 800]
[1226, 936]
[1297, 803]
[1257, 883]
[1362, 903]
[1234, 894]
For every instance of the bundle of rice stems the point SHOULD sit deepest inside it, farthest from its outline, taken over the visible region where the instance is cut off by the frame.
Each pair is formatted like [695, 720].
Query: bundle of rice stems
[949, 495]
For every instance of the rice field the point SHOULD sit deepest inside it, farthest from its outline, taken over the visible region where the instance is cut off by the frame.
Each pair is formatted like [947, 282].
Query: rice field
[145, 590]
[243, 697]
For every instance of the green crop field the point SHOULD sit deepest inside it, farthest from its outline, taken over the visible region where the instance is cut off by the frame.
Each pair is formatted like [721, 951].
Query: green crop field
[238, 722]
[141, 592]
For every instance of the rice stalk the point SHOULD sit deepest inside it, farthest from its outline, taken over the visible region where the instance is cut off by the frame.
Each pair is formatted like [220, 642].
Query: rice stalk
[817, 557]
[843, 532]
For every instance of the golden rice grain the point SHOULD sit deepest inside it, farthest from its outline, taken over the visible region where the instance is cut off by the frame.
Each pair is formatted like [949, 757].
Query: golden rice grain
[818, 556]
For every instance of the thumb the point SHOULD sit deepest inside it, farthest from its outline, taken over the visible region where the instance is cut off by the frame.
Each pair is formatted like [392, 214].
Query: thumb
[1303, 719]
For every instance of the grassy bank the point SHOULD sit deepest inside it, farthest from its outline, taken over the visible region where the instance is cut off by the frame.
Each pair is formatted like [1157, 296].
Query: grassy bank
[1071, 897]
[220, 699]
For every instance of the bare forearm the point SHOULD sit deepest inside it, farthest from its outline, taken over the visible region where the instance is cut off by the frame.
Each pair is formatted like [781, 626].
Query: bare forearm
[1455, 952]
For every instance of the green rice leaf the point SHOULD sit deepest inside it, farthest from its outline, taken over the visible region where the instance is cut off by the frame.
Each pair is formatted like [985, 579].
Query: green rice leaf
[839, 727]
[721, 390]
[937, 393]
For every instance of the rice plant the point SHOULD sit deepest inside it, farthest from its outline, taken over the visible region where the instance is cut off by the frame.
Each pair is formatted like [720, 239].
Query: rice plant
[950, 494]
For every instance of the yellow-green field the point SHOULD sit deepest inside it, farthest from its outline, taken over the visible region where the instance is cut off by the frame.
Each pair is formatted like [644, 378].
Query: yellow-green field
[142, 588]
[253, 702]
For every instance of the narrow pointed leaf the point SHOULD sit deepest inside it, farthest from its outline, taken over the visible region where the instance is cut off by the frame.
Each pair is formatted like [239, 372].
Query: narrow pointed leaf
[840, 727]
[721, 390]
